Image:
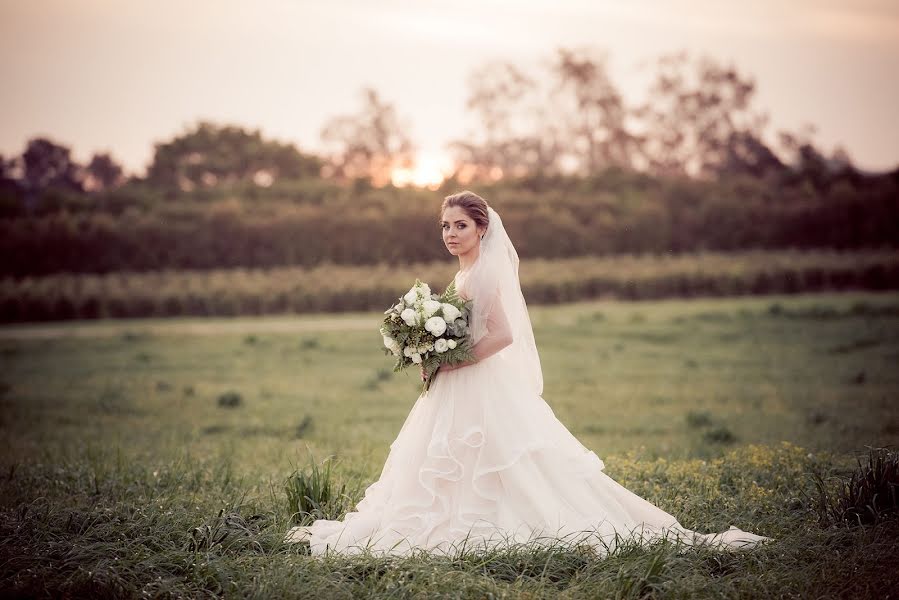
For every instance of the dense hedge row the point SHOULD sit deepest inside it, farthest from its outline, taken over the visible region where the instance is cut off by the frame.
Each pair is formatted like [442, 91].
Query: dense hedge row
[306, 227]
[333, 288]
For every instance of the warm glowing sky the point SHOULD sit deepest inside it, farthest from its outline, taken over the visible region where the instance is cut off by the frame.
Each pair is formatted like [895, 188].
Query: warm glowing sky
[118, 75]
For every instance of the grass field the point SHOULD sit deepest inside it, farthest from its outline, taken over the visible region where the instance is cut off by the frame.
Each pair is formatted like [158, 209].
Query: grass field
[127, 445]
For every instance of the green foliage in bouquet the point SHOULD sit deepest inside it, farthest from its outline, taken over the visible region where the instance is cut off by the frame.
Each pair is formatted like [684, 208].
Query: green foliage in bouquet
[428, 329]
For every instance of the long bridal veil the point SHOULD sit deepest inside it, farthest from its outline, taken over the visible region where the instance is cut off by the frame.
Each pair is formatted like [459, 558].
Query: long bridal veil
[494, 278]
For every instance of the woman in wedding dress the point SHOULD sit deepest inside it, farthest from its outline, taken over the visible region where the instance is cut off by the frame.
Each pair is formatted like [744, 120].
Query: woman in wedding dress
[481, 459]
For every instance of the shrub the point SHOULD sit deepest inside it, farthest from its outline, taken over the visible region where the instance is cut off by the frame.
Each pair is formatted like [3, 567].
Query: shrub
[230, 400]
[719, 435]
[869, 495]
[314, 494]
[696, 419]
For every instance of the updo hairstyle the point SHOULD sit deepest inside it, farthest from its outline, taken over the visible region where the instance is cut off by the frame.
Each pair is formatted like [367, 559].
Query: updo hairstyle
[473, 205]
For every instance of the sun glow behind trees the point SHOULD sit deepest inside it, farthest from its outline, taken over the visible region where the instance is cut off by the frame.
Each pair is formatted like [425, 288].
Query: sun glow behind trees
[428, 171]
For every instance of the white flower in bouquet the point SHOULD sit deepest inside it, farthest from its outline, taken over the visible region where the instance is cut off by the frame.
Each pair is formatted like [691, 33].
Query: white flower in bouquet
[392, 345]
[450, 312]
[410, 317]
[436, 325]
[430, 307]
[413, 330]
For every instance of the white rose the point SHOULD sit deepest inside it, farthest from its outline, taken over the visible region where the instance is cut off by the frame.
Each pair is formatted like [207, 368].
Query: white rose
[450, 312]
[408, 351]
[436, 325]
[416, 358]
[430, 307]
[451, 344]
[411, 296]
[389, 341]
[441, 345]
[409, 317]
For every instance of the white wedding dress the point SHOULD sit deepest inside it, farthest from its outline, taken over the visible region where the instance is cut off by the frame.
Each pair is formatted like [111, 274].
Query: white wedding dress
[482, 460]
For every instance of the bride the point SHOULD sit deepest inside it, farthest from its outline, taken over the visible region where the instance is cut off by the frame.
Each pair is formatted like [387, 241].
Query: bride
[481, 459]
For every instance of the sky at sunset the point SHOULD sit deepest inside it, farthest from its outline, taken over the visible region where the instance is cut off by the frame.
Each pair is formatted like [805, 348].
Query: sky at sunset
[104, 75]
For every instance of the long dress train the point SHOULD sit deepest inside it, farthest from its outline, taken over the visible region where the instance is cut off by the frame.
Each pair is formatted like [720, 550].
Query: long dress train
[482, 460]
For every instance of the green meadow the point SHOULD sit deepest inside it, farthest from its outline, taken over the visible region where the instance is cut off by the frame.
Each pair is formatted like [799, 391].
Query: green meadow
[149, 458]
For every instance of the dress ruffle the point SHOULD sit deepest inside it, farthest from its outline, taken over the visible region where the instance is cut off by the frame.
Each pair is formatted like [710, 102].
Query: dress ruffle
[480, 462]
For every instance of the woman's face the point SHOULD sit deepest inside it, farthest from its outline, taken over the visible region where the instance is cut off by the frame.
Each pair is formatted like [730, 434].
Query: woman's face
[460, 234]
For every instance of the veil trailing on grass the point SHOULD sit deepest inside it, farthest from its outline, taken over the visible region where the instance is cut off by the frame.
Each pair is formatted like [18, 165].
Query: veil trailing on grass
[494, 278]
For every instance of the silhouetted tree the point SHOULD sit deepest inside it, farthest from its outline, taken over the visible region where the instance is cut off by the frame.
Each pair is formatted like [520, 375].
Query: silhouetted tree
[746, 154]
[595, 112]
[103, 173]
[10, 190]
[8, 168]
[806, 163]
[699, 120]
[5, 168]
[210, 154]
[49, 165]
[369, 144]
[515, 136]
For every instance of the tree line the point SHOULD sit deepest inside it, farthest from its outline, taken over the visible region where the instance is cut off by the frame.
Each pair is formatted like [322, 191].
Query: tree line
[575, 169]
[615, 212]
[699, 120]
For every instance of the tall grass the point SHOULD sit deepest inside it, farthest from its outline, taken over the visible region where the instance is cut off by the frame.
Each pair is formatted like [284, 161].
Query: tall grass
[190, 529]
[313, 493]
[869, 495]
[333, 288]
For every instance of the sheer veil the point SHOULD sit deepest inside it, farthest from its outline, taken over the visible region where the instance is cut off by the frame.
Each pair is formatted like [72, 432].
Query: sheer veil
[494, 278]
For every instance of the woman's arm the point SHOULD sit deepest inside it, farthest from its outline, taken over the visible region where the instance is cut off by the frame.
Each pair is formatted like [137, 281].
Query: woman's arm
[498, 336]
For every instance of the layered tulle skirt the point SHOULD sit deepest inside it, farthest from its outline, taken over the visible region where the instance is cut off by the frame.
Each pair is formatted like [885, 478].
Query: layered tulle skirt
[483, 462]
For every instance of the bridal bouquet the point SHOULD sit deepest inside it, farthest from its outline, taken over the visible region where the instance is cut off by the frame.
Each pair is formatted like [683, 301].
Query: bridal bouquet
[427, 329]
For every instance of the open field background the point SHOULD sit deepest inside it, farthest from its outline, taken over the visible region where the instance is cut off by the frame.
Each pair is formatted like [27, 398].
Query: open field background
[121, 440]
[190, 360]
